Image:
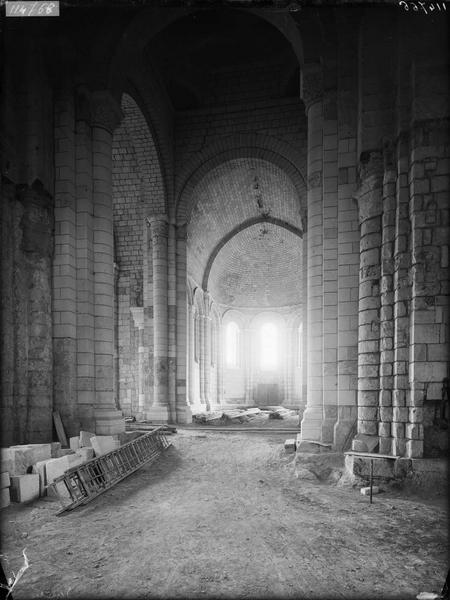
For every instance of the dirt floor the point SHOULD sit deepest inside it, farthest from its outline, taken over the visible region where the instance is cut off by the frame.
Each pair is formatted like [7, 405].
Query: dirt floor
[222, 515]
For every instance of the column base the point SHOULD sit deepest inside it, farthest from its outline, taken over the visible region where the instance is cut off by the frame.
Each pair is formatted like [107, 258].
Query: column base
[365, 443]
[108, 421]
[158, 414]
[311, 425]
[184, 414]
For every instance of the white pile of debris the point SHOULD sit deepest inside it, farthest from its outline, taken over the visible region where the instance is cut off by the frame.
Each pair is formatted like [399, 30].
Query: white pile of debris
[243, 415]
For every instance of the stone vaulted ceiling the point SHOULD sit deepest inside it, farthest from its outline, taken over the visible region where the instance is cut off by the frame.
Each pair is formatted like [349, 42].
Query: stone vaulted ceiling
[260, 267]
[256, 265]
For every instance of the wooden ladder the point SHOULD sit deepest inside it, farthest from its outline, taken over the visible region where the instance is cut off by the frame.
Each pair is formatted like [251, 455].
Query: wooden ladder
[87, 481]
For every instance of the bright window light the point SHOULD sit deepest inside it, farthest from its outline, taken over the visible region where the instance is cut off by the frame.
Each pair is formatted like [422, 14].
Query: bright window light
[269, 346]
[232, 345]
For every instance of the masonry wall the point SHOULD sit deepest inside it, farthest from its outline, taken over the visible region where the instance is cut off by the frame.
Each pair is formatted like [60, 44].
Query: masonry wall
[27, 234]
[197, 129]
[138, 192]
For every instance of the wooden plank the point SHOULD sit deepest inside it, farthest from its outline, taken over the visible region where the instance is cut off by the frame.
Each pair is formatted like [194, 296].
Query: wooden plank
[370, 455]
[60, 429]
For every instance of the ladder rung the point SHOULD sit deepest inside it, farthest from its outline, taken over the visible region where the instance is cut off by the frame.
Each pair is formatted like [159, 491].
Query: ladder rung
[85, 482]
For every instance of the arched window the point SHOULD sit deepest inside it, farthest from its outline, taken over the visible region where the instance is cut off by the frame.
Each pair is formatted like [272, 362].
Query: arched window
[268, 346]
[232, 335]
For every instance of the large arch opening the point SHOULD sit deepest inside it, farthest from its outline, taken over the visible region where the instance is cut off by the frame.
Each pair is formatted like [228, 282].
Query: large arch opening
[245, 253]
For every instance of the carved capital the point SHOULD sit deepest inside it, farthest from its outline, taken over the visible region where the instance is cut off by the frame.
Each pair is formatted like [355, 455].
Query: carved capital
[159, 227]
[83, 104]
[371, 164]
[311, 84]
[105, 111]
[314, 180]
[369, 195]
[182, 232]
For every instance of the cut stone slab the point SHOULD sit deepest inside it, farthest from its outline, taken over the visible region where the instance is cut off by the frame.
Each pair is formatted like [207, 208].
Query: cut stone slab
[25, 456]
[74, 443]
[302, 473]
[6, 464]
[4, 480]
[290, 446]
[128, 436]
[64, 452]
[40, 469]
[75, 460]
[24, 488]
[85, 438]
[103, 444]
[86, 453]
[365, 491]
[55, 447]
[5, 499]
[365, 443]
[54, 468]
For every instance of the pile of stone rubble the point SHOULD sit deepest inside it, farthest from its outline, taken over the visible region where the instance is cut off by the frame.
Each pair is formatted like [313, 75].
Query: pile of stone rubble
[26, 471]
[243, 415]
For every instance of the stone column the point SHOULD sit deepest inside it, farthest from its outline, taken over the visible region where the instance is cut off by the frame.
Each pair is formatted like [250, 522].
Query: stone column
[429, 176]
[219, 350]
[331, 268]
[386, 307]
[85, 258]
[287, 359]
[191, 354]
[105, 117]
[247, 358]
[64, 280]
[312, 95]
[207, 362]
[402, 293]
[201, 356]
[184, 332]
[138, 318]
[171, 320]
[159, 233]
[370, 210]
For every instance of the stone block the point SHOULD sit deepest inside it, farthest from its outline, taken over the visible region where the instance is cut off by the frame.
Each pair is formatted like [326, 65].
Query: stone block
[6, 464]
[24, 488]
[385, 445]
[74, 443]
[365, 491]
[414, 448]
[25, 456]
[4, 480]
[402, 466]
[290, 446]
[55, 446]
[39, 468]
[103, 444]
[64, 452]
[75, 460]
[86, 453]
[414, 431]
[56, 467]
[5, 499]
[384, 429]
[364, 443]
[85, 439]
